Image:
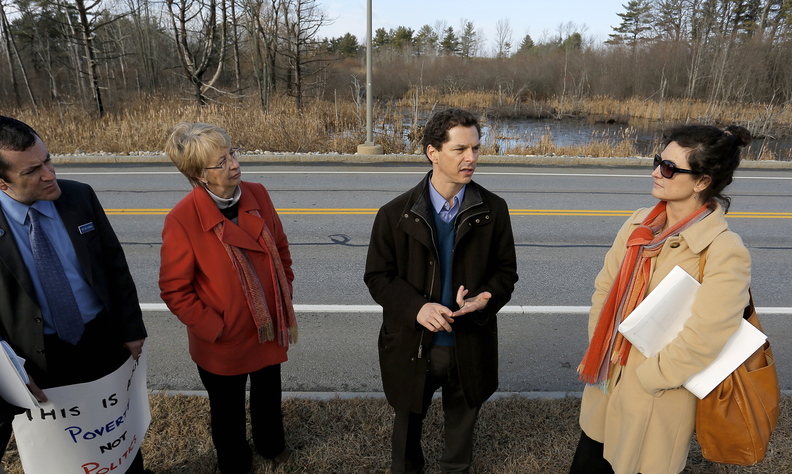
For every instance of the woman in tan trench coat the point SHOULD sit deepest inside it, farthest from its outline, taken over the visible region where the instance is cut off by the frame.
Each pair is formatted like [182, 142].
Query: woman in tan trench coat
[635, 415]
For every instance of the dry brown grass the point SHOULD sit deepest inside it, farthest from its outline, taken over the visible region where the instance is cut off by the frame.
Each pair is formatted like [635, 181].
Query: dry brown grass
[678, 110]
[339, 126]
[514, 435]
[145, 124]
[429, 97]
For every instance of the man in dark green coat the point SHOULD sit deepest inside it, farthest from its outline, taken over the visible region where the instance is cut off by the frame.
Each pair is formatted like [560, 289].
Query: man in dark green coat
[441, 263]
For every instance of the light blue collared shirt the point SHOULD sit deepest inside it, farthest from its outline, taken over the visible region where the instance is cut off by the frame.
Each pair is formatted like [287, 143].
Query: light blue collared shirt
[440, 205]
[16, 214]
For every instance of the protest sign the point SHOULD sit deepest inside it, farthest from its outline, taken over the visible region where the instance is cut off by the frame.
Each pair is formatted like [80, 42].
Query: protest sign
[89, 428]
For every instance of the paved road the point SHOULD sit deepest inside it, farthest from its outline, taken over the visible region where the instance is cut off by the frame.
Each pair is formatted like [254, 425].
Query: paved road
[327, 211]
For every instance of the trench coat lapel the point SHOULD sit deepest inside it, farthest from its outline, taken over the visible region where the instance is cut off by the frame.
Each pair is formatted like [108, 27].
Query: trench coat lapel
[245, 233]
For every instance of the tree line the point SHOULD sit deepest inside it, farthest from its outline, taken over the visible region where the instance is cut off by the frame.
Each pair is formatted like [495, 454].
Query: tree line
[60, 51]
[97, 52]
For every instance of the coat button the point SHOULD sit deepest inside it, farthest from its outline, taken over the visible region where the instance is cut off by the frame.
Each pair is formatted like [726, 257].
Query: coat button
[406, 215]
[478, 221]
[38, 320]
[431, 262]
[417, 220]
[40, 351]
[486, 217]
[674, 245]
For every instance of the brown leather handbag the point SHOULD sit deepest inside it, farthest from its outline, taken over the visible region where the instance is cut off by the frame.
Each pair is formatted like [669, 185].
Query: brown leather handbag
[734, 422]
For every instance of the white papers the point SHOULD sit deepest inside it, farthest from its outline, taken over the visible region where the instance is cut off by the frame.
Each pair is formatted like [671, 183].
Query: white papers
[744, 342]
[13, 388]
[659, 318]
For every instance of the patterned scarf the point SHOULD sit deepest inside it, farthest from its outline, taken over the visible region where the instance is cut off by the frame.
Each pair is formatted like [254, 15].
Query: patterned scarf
[285, 324]
[608, 347]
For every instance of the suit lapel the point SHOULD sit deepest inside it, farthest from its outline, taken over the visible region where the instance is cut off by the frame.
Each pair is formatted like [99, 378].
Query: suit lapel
[9, 254]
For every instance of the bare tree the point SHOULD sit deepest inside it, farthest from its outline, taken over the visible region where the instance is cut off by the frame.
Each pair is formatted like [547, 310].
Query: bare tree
[9, 47]
[84, 34]
[195, 28]
[503, 38]
[302, 20]
[263, 20]
[235, 48]
[145, 30]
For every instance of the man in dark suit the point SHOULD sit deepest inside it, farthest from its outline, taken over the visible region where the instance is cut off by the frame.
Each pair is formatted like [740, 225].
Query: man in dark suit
[104, 323]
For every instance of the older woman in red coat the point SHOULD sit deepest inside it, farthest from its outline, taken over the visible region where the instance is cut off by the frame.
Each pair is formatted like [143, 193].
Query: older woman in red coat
[226, 274]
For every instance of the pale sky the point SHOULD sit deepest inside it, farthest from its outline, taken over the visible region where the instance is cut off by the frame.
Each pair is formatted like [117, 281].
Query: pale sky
[540, 19]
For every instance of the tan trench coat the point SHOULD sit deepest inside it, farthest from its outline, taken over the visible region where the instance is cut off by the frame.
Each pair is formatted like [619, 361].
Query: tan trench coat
[646, 419]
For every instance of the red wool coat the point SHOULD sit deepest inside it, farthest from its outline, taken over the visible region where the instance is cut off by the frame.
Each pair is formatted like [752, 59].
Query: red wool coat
[200, 286]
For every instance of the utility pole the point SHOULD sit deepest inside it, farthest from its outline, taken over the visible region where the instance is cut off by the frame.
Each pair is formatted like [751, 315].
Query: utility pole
[369, 148]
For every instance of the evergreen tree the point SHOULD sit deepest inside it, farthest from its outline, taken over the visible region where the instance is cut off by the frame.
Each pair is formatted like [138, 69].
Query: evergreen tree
[573, 41]
[401, 37]
[468, 43]
[450, 43]
[346, 45]
[525, 45]
[636, 22]
[426, 40]
[381, 38]
[671, 18]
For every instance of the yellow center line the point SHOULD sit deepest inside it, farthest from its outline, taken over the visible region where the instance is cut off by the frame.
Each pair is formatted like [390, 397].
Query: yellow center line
[514, 212]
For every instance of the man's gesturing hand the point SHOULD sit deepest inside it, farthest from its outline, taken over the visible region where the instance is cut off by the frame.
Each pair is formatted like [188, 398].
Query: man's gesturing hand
[435, 317]
[469, 305]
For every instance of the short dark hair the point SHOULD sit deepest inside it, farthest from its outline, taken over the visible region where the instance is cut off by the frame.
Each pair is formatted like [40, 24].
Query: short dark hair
[436, 129]
[714, 153]
[14, 136]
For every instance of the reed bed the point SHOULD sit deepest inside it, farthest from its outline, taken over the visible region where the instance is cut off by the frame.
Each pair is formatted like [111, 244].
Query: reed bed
[429, 97]
[513, 436]
[760, 118]
[339, 126]
[145, 123]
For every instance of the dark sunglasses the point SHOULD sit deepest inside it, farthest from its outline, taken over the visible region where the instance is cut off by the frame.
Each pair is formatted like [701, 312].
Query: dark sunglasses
[668, 168]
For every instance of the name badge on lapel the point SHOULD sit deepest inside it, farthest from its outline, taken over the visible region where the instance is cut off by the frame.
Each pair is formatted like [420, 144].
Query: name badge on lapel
[85, 228]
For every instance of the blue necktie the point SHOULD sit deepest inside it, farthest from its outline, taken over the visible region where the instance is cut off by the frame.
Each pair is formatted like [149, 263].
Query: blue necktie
[63, 306]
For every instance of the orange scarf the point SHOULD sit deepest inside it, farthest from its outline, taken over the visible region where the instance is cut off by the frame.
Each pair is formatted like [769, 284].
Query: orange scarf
[285, 323]
[608, 347]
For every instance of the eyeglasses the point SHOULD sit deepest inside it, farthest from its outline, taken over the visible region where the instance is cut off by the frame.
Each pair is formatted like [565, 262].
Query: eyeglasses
[668, 168]
[224, 161]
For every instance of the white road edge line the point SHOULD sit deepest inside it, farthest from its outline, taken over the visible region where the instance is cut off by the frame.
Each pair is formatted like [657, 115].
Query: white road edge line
[361, 308]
